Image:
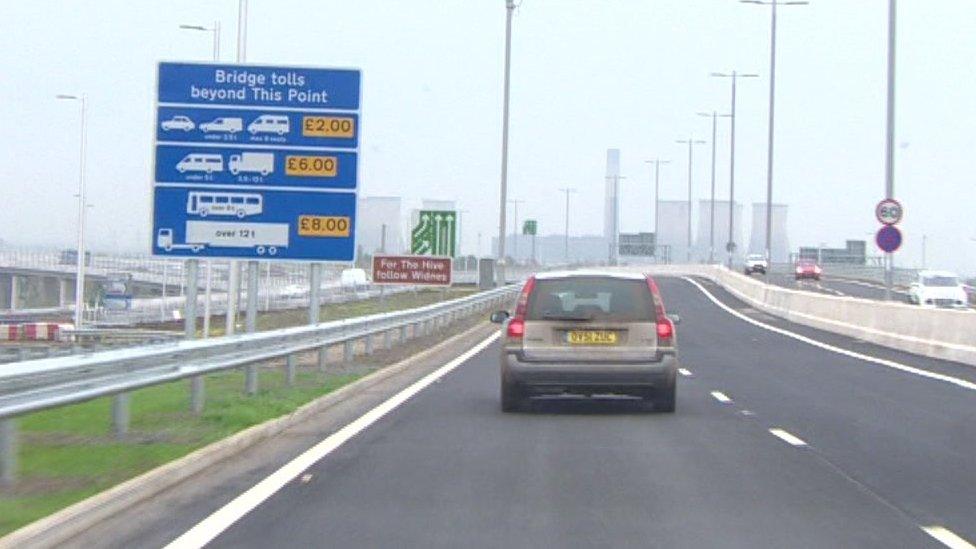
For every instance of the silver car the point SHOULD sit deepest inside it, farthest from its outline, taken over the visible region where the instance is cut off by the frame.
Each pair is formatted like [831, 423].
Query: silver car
[589, 333]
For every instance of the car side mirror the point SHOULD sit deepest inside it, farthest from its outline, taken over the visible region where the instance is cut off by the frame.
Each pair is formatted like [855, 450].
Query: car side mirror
[499, 317]
[674, 318]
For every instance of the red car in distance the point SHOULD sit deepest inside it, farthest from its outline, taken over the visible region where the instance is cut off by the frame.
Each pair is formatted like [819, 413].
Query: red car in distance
[806, 268]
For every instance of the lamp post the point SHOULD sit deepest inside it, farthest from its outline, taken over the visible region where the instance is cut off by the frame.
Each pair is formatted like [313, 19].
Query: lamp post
[772, 112]
[711, 224]
[568, 191]
[730, 245]
[80, 272]
[657, 199]
[515, 204]
[691, 141]
[503, 195]
[215, 29]
[192, 263]
[890, 137]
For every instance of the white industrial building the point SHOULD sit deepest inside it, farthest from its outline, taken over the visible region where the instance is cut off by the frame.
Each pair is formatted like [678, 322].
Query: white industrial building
[780, 245]
[673, 228]
[379, 215]
[703, 234]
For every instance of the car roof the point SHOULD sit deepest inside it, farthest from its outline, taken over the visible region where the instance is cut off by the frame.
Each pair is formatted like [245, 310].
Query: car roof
[623, 275]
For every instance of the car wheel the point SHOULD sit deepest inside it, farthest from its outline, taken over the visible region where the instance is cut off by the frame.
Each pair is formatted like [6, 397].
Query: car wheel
[666, 399]
[511, 397]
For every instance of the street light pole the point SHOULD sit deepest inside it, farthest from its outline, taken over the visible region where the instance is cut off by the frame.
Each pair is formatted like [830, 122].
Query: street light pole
[711, 223]
[772, 112]
[515, 204]
[503, 195]
[657, 199]
[567, 190]
[691, 141]
[730, 245]
[890, 137]
[80, 272]
[192, 264]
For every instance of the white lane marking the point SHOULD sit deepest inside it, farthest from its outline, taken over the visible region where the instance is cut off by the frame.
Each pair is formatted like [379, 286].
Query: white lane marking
[880, 361]
[831, 290]
[948, 537]
[209, 528]
[788, 437]
[684, 372]
[721, 397]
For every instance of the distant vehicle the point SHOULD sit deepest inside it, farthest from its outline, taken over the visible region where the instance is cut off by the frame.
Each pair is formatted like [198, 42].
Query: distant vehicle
[589, 333]
[178, 123]
[807, 268]
[70, 257]
[262, 163]
[353, 280]
[200, 162]
[223, 125]
[938, 289]
[269, 123]
[204, 203]
[756, 263]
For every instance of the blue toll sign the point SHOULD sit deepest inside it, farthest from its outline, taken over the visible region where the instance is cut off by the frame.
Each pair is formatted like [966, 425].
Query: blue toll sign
[888, 238]
[256, 162]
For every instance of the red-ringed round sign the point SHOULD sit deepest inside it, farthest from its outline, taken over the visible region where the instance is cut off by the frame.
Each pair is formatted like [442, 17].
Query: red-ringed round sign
[888, 238]
[889, 211]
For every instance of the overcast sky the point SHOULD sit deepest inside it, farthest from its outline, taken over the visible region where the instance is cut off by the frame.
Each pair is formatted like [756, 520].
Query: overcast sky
[586, 75]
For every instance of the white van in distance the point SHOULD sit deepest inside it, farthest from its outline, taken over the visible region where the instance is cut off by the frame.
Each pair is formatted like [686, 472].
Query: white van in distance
[269, 123]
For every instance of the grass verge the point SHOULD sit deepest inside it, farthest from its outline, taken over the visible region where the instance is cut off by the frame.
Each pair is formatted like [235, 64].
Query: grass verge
[68, 454]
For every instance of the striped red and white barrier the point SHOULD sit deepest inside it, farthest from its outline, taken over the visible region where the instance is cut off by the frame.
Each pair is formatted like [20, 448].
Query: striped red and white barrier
[39, 331]
[9, 332]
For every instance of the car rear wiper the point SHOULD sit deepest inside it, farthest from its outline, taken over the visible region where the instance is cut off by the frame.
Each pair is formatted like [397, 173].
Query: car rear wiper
[562, 316]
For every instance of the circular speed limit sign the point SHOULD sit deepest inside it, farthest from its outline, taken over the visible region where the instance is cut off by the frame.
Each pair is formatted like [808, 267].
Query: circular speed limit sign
[889, 211]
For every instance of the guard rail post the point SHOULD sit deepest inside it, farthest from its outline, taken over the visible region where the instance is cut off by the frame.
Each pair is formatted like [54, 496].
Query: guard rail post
[8, 451]
[368, 344]
[197, 390]
[347, 350]
[290, 370]
[120, 414]
[388, 340]
[403, 335]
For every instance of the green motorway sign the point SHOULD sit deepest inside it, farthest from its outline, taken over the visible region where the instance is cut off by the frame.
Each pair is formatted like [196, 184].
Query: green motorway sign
[435, 233]
[529, 227]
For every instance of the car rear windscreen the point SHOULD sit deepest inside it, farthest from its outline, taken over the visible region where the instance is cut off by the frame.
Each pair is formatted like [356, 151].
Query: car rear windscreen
[591, 298]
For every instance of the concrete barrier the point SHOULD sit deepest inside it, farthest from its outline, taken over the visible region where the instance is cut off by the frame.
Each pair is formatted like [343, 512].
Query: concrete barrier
[937, 333]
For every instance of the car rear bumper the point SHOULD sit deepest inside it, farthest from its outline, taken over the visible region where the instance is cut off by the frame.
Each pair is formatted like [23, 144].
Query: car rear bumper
[589, 378]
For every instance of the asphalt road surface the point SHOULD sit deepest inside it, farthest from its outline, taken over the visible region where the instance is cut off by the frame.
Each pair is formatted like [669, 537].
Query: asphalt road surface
[843, 287]
[776, 442]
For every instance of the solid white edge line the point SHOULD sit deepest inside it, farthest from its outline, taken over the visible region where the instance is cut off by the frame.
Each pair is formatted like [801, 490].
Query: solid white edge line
[209, 528]
[787, 436]
[880, 361]
[685, 372]
[947, 537]
[721, 397]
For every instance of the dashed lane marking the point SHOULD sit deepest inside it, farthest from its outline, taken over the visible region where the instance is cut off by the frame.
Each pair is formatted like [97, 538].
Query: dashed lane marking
[788, 437]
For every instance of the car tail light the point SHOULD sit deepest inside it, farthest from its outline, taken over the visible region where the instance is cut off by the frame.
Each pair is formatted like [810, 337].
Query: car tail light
[817, 269]
[665, 328]
[799, 270]
[516, 326]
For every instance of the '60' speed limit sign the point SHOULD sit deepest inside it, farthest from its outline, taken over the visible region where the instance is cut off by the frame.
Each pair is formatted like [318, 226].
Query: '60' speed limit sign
[889, 211]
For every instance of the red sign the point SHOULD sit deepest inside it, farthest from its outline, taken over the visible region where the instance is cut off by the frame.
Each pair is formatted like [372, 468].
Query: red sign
[411, 269]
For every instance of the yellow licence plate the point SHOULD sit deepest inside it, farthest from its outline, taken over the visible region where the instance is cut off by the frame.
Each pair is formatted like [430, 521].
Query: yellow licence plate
[591, 337]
